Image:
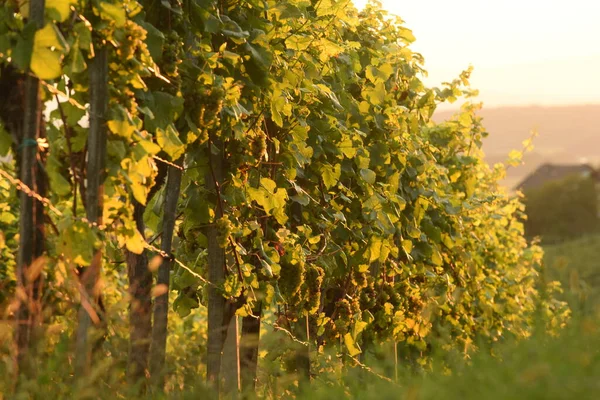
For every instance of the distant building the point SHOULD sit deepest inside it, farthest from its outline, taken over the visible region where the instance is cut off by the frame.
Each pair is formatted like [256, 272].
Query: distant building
[547, 173]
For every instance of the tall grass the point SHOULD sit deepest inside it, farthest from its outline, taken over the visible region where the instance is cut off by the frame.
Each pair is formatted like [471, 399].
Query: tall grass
[564, 366]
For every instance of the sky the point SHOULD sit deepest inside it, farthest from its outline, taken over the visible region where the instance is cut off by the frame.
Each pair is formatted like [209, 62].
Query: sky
[525, 52]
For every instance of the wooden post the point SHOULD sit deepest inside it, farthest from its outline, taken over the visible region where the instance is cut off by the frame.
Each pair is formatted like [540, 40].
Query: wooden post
[96, 155]
[27, 222]
[161, 303]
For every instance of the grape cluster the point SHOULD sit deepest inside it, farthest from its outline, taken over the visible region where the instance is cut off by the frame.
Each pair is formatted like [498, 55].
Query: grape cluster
[258, 145]
[390, 295]
[346, 309]
[313, 282]
[359, 280]
[224, 229]
[172, 55]
[211, 102]
[190, 240]
[128, 64]
[131, 41]
[291, 277]
[205, 104]
[368, 297]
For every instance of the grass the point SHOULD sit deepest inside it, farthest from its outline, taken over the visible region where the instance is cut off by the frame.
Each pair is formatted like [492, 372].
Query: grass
[566, 366]
[576, 264]
[543, 367]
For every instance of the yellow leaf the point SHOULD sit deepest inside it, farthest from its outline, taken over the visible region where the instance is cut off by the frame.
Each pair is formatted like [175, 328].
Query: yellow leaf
[122, 128]
[46, 56]
[436, 258]
[375, 249]
[62, 7]
[268, 184]
[47, 37]
[244, 311]
[169, 141]
[135, 243]
[149, 147]
[352, 347]
[113, 12]
[140, 191]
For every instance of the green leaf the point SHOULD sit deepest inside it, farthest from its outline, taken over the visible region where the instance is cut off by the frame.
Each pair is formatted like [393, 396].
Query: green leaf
[167, 5]
[375, 249]
[331, 174]
[267, 270]
[373, 203]
[84, 36]
[470, 184]
[21, 55]
[58, 183]
[184, 304]
[302, 153]
[447, 240]
[379, 74]
[169, 141]
[5, 141]
[276, 106]
[298, 42]
[368, 175]
[436, 258]
[77, 63]
[273, 200]
[154, 40]
[184, 278]
[165, 107]
[77, 241]
[375, 94]
[347, 148]
[140, 176]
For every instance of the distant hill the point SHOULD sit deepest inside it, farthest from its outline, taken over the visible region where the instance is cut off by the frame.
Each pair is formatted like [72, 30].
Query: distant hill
[567, 135]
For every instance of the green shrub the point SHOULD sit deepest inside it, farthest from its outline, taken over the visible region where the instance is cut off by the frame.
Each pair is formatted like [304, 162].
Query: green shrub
[562, 210]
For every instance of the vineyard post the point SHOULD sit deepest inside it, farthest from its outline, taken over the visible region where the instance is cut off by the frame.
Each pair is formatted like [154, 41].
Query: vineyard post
[95, 174]
[216, 272]
[27, 222]
[161, 303]
[140, 313]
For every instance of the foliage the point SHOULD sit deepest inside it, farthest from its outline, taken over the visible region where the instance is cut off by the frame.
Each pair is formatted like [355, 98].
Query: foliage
[8, 232]
[561, 367]
[543, 367]
[562, 210]
[575, 265]
[341, 199]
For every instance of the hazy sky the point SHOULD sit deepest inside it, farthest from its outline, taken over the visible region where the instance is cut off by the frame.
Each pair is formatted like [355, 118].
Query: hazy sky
[524, 51]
